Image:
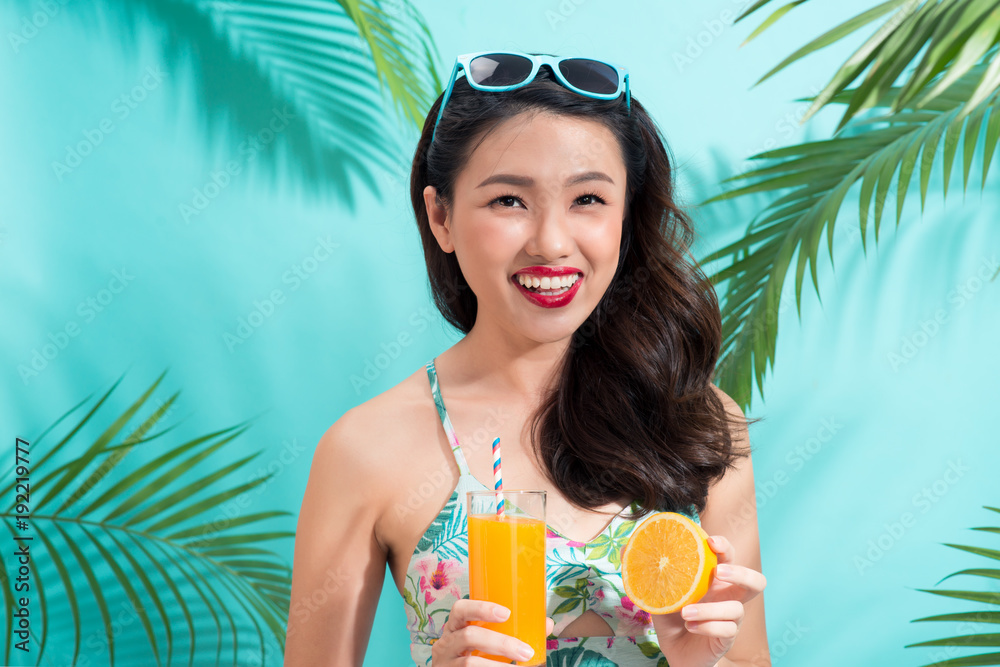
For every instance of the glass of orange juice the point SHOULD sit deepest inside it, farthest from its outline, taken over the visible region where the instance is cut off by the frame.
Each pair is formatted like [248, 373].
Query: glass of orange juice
[507, 564]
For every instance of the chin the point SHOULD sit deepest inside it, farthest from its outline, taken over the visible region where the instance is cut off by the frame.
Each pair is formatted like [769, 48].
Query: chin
[546, 334]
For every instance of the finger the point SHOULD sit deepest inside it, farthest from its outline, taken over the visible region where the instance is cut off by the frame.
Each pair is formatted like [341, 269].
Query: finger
[720, 629]
[464, 612]
[726, 610]
[752, 581]
[723, 548]
[549, 626]
[475, 637]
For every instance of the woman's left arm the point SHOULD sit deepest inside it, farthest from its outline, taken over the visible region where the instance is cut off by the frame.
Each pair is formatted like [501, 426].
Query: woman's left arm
[734, 605]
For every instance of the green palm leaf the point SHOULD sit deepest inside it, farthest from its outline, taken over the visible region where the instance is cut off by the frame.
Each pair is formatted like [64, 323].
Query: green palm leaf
[809, 183]
[931, 44]
[336, 68]
[158, 540]
[578, 656]
[559, 569]
[979, 640]
[448, 533]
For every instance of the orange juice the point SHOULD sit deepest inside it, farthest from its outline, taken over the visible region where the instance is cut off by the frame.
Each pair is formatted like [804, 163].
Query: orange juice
[507, 566]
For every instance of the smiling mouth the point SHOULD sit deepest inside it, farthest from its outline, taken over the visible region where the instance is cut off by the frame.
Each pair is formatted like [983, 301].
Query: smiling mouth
[548, 286]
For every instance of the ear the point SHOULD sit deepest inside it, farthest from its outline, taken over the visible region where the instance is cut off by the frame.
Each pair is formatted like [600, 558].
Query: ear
[439, 218]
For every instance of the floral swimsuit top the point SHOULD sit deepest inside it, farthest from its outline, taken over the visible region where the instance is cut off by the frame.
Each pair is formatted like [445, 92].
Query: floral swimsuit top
[579, 577]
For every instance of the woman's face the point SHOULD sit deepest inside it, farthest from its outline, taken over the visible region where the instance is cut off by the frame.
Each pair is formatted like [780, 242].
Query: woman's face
[543, 196]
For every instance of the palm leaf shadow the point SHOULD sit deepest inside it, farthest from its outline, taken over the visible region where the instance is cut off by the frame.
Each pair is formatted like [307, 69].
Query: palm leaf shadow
[160, 540]
[327, 64]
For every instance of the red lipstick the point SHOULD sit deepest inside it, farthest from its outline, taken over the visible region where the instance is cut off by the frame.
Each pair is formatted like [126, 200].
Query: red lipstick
[542, 271]
[545, 300]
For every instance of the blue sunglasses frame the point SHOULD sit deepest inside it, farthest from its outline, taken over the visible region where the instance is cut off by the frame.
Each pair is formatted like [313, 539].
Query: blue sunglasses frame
[463, 62]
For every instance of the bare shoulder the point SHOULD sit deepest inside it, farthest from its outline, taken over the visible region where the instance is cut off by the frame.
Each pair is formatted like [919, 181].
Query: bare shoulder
[371, 434]
[395, 439]
[732, 407]
[732, 495]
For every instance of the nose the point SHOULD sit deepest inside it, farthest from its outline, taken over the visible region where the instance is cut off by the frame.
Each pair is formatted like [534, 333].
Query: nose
[551, 237]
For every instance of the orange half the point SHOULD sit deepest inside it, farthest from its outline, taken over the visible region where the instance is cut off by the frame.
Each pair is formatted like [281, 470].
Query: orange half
[667, 563]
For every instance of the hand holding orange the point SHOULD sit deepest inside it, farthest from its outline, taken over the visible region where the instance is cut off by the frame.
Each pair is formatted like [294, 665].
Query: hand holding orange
[667, 563]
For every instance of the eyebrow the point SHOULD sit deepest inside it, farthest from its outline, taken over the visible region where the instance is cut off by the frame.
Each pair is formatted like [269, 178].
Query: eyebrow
[527, 181]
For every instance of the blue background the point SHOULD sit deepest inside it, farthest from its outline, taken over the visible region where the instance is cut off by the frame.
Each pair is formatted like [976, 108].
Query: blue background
[909, 434]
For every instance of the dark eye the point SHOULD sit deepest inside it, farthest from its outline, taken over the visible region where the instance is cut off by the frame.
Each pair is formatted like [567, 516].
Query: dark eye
[507, 201]
[592, 197]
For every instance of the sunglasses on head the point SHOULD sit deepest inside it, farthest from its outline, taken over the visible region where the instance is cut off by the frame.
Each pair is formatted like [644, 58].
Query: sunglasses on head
[507, 70]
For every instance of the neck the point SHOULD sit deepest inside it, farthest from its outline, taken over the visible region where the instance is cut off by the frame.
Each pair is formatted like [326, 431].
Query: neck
[506, 361]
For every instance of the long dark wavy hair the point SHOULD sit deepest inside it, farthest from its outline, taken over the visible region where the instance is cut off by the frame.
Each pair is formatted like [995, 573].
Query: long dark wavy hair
[633, 413]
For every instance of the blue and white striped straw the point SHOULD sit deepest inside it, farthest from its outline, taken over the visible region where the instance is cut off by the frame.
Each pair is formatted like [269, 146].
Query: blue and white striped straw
[497, 479]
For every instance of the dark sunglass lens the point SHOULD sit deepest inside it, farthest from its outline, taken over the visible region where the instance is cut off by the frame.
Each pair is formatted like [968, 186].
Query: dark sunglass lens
[590, 75]
[499, 69]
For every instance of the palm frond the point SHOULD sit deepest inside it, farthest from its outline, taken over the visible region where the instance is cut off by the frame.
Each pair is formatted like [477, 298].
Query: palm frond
[752, 8]
[810, 182]
[929, 44]
[984, 639]
[394, 53]
[162, 538]
[770, 20]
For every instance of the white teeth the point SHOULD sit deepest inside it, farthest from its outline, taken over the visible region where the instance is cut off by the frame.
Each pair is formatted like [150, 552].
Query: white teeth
[548, 282]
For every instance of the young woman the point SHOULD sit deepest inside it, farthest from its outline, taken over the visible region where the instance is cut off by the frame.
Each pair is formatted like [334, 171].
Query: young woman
[545, 202]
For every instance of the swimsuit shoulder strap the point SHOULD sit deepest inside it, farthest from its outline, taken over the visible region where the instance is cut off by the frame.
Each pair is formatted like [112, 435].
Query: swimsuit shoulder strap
[445, 420]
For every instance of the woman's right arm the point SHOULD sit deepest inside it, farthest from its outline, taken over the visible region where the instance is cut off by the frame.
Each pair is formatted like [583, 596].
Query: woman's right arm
[339, 566]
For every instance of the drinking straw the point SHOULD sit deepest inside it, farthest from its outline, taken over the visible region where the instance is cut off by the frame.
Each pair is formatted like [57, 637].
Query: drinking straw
[497, 479]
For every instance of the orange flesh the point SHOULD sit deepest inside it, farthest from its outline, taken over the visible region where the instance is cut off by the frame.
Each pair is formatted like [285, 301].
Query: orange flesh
[667, 563]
